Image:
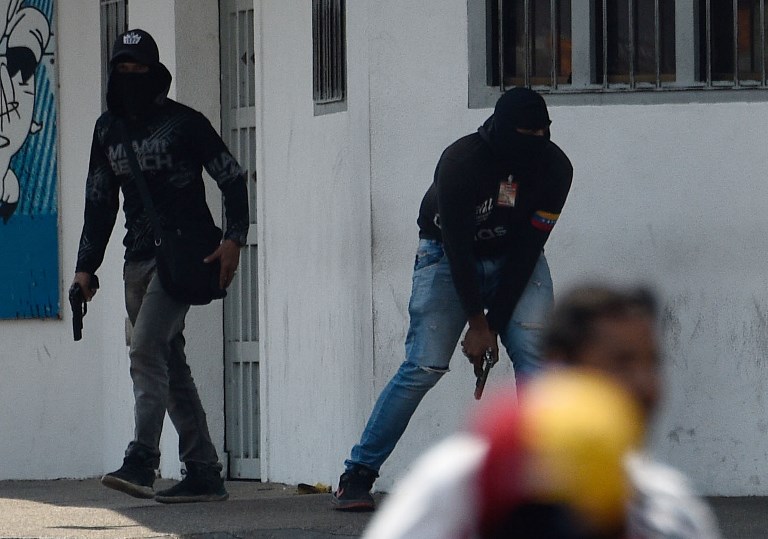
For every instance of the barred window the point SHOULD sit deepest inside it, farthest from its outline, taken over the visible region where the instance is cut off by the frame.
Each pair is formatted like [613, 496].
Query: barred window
[530, 42]
[635, 43]
[329, 55]
[114, 21]
[732, 34]
[617, 47]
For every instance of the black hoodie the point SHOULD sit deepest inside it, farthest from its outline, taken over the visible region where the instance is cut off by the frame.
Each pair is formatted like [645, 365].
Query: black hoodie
[173, 144]
[497, 193]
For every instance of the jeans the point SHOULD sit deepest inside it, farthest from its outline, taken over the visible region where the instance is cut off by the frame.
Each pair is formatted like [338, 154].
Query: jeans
[161, 377]
[436, 322]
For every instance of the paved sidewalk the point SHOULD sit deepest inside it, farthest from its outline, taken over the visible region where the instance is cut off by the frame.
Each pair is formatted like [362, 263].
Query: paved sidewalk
[86, 510]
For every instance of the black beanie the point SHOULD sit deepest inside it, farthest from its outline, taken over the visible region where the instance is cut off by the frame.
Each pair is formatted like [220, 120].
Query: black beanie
[521, 107]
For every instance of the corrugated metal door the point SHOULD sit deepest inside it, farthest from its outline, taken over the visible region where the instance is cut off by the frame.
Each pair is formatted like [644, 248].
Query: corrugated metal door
[241, 306]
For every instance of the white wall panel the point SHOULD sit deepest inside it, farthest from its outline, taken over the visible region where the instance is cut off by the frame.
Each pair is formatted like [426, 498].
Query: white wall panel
[314, 192]
[668, 194]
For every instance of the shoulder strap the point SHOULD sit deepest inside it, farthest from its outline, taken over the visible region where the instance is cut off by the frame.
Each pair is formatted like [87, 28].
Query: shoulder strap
[141, 183]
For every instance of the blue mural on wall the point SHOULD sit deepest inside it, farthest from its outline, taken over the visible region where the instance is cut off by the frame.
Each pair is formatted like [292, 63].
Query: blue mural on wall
[29, 239]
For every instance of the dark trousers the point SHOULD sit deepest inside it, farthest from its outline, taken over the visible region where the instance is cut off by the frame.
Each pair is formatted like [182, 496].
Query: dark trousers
[162, 380]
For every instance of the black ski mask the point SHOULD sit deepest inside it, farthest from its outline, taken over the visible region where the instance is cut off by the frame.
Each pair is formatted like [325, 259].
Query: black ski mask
[135, 94]
[518, 108]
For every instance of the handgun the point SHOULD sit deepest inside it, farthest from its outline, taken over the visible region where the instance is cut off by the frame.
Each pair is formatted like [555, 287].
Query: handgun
[80, 306]
[488, 361]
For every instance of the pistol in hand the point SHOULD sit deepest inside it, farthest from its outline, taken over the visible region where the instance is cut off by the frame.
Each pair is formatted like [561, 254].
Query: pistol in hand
[80, 306]
[482, 372]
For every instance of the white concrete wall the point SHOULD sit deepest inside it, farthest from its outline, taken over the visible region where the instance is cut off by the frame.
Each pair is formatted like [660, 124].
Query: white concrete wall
[314, 238]
[673, 195]
[669, 194]
[68, 407]
[51, 392]
[197, 63]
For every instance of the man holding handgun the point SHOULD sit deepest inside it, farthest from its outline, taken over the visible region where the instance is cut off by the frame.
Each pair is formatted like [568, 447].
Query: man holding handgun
[483, 223]
[173, 144]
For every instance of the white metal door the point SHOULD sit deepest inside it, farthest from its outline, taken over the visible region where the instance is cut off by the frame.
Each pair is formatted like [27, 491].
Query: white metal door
[241, 306]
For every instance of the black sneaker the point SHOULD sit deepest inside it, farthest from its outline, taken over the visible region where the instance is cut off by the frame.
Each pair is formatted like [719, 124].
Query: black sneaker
[354, 492]
[134, 477]
[201, 483]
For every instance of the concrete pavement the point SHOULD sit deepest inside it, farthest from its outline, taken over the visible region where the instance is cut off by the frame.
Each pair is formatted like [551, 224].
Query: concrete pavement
[86, 509]
[83, 509]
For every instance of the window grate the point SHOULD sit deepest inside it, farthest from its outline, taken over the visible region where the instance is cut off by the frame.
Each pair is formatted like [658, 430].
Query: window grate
[635, 44]
[329, 51]
[530, 43]
[606, 46]
[733, 52]
[114, 21]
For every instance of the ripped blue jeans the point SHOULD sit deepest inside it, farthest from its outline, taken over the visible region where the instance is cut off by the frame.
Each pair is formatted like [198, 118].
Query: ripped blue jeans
[436, 323]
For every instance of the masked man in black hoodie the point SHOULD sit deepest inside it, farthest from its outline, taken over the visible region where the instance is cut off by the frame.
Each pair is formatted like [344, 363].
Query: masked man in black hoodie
[483, 223]
[173, 143]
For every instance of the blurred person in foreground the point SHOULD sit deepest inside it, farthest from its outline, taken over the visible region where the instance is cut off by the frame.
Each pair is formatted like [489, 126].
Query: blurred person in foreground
[564, 460]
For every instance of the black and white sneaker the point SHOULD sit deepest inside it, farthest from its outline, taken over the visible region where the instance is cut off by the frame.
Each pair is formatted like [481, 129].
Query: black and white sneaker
[354, 492]
[134, 478]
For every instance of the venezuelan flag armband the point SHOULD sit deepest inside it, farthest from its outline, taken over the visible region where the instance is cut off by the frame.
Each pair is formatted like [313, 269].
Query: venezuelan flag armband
[544, 220]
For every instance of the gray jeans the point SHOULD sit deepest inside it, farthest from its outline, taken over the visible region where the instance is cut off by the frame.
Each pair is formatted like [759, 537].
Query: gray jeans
[161, 377]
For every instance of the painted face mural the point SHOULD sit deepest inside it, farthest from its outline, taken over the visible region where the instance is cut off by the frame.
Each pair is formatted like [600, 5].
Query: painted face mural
[29, 214]
[24, 36]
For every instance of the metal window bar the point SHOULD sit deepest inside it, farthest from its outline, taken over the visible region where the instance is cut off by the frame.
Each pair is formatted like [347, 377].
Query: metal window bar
[631, 41]
[762, 43]
[555, 32]
[708, 32]
[329, 51]
[735, 42]
[605, 43]
[756, 51]
[500, 24]
[527, 42]
[657, 41]
[760, 50]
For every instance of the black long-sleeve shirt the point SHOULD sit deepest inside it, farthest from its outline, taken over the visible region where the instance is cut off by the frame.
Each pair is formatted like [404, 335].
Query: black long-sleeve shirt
[173, 144]
[479, 209]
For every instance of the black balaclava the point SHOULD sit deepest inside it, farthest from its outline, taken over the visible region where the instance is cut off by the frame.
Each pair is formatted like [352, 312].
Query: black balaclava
[136, 94]
[517, 108]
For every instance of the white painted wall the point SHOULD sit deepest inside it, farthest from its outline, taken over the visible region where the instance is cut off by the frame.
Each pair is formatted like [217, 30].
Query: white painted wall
[314, 210]
[668, 194]
[51, 392]
[673, 195]
[197, 58]
[68, 407]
